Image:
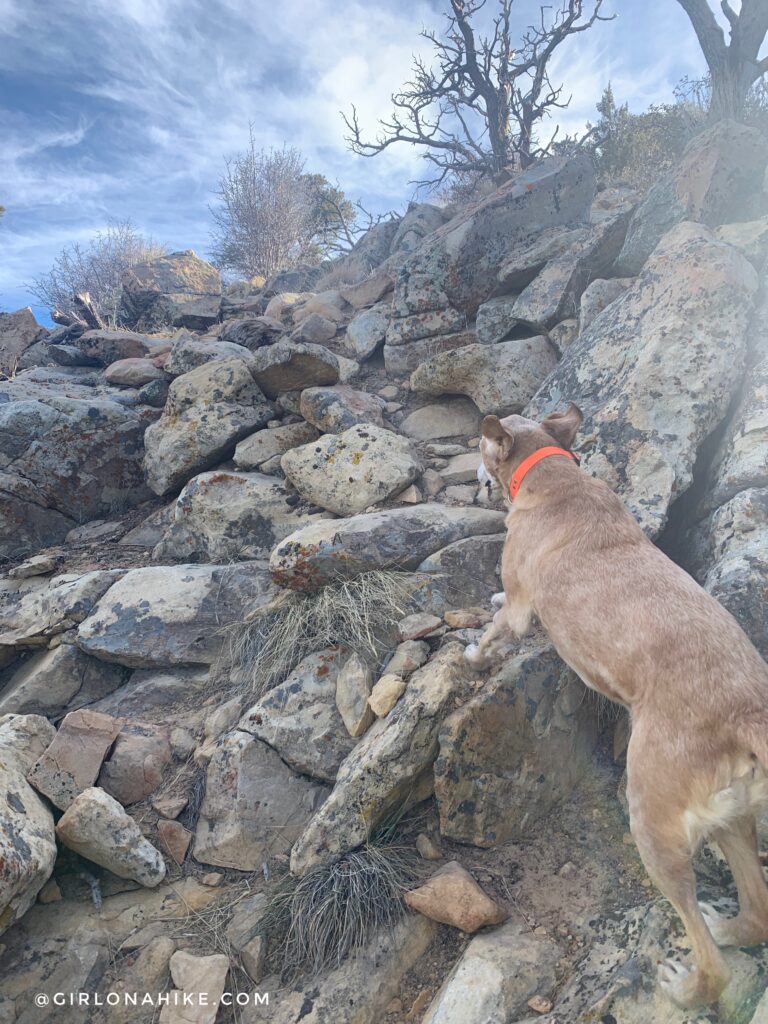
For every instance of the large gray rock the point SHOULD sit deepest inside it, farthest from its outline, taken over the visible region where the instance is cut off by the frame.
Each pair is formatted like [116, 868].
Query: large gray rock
[208, 411]
[497, 974]
[597, 295]
[159, 291]
[256, 449]
[102, 347]
[465, 574]
[499, 378]
[293, 366]
[52, 682]
[366, 331]
[27, 838]
[172, 615]
[347, 472]
[254, 807]
[656, 371]
[362, 987]
[454, 417]
[19, 331]
[390, 768]
[253, 332]
[399, 538]
[63, 460]
[337, 408]
[514, 750]
[718, 172]
[190, 351]
[462, 257]
[227, 516]
[299, 718]
[96, 826]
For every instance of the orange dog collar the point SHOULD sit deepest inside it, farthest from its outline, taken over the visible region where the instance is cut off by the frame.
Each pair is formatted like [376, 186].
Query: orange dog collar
[528, 464]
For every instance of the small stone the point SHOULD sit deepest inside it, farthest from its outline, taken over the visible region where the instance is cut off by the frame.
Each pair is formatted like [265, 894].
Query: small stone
[568, 870]
[461, 469]
[353, 688]
[212, 879]
[252, 955]
[72, 762]
[539, 1004]
[386, 694]
[202, 979]
[96, 826]
[411, 495]
[408, 656]
[417, 625]
[428, 848]
[50, 893]
[389, 392]
[452, 896]
[467, 618]
[394, 1006]
[169, 806]
[175, 838]
[135, 767]
[38, 565]
[433, 482]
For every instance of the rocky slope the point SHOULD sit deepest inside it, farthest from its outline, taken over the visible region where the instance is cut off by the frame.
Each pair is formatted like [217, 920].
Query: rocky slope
[159, 486]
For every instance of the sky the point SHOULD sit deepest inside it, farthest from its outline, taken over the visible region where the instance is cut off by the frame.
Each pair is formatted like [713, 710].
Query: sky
[127, 109]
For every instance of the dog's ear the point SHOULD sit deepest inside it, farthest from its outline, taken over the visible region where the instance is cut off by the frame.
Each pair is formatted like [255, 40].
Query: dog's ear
[492, 428]
[563, 426]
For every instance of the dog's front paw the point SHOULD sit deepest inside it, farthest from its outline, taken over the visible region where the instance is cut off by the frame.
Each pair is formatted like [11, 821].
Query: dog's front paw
[472, 656]
[497, 601]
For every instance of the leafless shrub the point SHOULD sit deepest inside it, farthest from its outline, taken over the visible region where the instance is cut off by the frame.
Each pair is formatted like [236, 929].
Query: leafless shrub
[95, 268]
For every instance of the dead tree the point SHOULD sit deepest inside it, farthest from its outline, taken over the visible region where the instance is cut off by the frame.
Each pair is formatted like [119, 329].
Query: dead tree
[476, 108]
[734, 66]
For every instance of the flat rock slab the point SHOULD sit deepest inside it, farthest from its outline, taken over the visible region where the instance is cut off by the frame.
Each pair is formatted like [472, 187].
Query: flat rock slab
[226, 516]
[208, 411]
[254, 806]
[347, 472]
[256, 449]
[398, 538]
[656, 371]
[161, 616]
[96, 826]
[299, 718]
[337, 408]
[293, 366]
[72, 762]
[389, 768]
[454, 417]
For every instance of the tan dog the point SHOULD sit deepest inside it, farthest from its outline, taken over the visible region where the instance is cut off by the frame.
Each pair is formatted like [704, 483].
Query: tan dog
[637, 628]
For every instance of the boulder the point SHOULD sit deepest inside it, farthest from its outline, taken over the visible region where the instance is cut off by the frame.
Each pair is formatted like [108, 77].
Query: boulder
[133, 373]
[19, 331]
[314, 330]
[135, 767]
[514, 750]
[407, 657]
[299, 718]
[359, 990]
[455, 417]
[252, 332]
[208, 411]
[50, 682]
[154, 394]
[369, 291]
[390, 768]
[297, 280]
[329, 304]
[452, 896]
[72, 762]
[161, 616]
[401, 359]
[103, 347]
[228, 516]
[62, 461]
[292, 366]
[200, 983]
[347, 472]
[35, 609]
[654, 374]
[495, 319]
[366, 331]
[597, 295]
[156, 292]
[497, 974]
[718, 172]
[337, 408]
[750, 238]
[399, 538]
[27, 838]
[256, 449]
[96, 826]
[499, 378]
[385, 694]
[190, 351]
[418, 221]
[254, 806]
[197, 314]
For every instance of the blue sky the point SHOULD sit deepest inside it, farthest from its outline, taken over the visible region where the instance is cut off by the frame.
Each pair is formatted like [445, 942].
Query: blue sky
[126, 109]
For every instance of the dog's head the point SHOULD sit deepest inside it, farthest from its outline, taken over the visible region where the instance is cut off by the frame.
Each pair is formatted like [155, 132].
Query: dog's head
[505, 443]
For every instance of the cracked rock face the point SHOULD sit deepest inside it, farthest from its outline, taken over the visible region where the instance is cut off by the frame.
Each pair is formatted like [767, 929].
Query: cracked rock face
[655, 372]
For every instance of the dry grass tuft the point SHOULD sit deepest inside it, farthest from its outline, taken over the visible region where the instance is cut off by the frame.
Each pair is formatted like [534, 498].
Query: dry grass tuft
[358, 614]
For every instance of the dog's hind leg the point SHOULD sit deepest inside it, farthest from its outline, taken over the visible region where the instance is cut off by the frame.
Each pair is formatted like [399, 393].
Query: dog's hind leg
[750, 926]
[658, 826]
